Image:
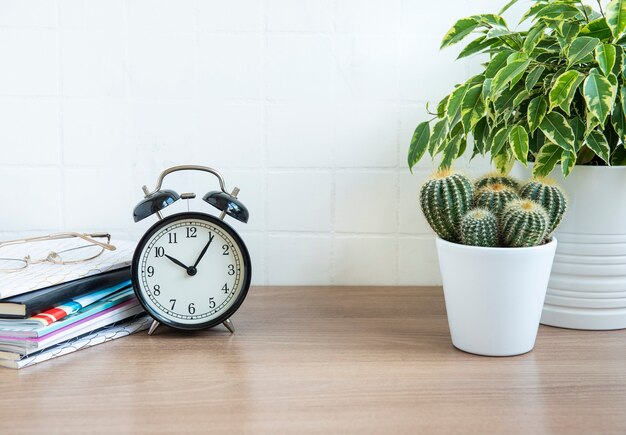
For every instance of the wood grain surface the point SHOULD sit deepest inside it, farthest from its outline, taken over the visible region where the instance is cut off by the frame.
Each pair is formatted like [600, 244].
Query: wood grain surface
[324, 360]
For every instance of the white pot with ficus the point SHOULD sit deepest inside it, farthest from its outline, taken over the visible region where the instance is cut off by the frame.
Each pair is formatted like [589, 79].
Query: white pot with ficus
[495, 249]
[552, 96]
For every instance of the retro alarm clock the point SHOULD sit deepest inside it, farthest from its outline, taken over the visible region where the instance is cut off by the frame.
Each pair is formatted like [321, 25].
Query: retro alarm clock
[191, 270]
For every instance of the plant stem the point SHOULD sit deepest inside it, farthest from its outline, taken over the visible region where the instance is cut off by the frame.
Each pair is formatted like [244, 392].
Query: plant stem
[600, 6]
[585, 11]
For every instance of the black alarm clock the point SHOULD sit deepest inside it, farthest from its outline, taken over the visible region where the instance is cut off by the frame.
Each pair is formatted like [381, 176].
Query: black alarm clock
[191, 270]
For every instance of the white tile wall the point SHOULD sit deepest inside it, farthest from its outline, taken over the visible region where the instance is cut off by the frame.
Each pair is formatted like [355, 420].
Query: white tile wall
[308, 106]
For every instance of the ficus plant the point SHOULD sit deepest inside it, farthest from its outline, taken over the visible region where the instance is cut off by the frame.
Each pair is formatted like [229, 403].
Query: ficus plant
[553, 93]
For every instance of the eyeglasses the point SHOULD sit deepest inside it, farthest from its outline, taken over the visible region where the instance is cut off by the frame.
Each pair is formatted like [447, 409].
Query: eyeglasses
[72, 248]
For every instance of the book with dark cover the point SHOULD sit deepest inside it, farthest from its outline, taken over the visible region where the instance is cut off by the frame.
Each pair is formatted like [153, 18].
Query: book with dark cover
[24, 305]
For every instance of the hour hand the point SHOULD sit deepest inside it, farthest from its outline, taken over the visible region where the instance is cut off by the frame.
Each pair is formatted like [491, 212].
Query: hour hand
[176, 261]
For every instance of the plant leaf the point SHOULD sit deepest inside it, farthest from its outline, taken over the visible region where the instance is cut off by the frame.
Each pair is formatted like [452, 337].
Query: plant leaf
[440, 130]
[476, 46]
[533, 77]
[419, 143]
[557, 130]
[596, 29]
[458, 31]
[533, 37]
[567, 31]
[605, 56]
[578, 127]
[453, 105]
[616, 17]
[518, 139]
[565, 86]
[599, 95]
[522, 96]
[618, 158]
[450, 152]
[598, 144]
[472, 107]
[499, 140]
[496, 63]
[510, 74]
[479, 134]
[580, 48]
[507, 6]
[503, 162]
[547, 158]
[568, 160]
[557, 12]
[537, 109]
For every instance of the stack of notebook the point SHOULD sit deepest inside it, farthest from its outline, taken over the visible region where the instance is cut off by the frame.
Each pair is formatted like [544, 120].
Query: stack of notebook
[50, 310]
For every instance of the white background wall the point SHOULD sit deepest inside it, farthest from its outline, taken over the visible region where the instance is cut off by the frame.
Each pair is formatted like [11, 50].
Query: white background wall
[307, 105]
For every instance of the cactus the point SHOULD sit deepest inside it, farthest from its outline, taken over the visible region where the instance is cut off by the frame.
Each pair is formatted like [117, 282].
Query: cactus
[445, 198]
[494, 197]
[479, 227]
[497, 178]
[550, 196]
[524, 223]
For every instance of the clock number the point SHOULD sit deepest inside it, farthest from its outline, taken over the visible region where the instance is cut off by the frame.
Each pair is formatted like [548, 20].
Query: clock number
[173, 302]
[150, 271]
[191, 309]
[211, 303]
[157, 290]
[231, 269]
[159, 251]
[225, 248]
[172, 237]
[191, 232]
[225, 288]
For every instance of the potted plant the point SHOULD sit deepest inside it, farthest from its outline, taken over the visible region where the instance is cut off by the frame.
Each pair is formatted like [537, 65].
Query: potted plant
[552, 97]
[495, 249]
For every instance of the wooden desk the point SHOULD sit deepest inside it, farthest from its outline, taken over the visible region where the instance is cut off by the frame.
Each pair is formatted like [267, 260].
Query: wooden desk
[325, 360]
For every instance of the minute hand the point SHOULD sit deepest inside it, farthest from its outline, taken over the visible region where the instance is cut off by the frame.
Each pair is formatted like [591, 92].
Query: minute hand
[211, 236]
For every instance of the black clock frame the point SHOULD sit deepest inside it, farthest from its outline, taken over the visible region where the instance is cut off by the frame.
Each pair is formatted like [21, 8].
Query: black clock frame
[247, 269]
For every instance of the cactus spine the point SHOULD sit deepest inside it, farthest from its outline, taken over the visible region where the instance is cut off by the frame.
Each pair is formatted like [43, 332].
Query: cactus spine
[497, 178]
[479, 227]
[494, 197]
[524, 223]
[445, 198]
[550, 196]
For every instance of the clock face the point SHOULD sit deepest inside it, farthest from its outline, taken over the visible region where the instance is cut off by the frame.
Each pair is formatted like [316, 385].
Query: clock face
[191, 271]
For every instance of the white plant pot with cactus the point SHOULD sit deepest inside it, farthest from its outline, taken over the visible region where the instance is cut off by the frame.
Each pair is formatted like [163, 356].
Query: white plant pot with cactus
[494, 296]
[495, 249]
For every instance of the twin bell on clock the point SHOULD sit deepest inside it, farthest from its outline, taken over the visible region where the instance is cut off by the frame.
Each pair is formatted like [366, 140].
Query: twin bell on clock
[191, 270]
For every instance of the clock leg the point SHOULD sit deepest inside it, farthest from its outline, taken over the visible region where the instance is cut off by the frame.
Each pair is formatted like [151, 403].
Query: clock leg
[153, 327]
[229, 325]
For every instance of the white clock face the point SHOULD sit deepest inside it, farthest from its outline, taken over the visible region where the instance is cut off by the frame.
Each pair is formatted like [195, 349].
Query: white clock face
[190, 271]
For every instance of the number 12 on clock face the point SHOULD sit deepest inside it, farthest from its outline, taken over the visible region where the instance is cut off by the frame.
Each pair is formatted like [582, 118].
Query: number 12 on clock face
[194, 271]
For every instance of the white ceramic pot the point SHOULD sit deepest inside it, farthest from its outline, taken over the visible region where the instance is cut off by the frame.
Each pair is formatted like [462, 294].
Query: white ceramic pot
[587, 289]
[494, 296]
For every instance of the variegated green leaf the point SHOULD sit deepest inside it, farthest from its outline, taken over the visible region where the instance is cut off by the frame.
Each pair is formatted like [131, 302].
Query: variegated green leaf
[599, 95]
[568, 161]
[458, 31]
[605, 56]
[596, 29]
[557, 12]
[557, 130]
[504, 162]
[537, 109]
[533, 77]
[567, 31]
[581, 48]
[499, 140]
[440, 130]
[510, 74]
[479, 133]
[618, 120]
[533, 37]
[518, 139]
[616, 17]
[618, 158]
[441, 107]
[497, 63]
[507, 6]
[565, 86]
[547, 158]
[597, 142]
[476, 46]
[450, 152]
[578, 127]
[453, 106]
[472, 108]
[486, 92]
[521, 97]
[419, 143]
[532, 11]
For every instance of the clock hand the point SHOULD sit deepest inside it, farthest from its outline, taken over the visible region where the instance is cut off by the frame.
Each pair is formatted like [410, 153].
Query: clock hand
[176, 262]
[211, 236]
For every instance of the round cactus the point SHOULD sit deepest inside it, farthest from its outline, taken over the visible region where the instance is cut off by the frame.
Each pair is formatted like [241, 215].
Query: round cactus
[496, 178]
[524, 223]
[494, 197]
[550, 196]
[479, 227]
[445, 198]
